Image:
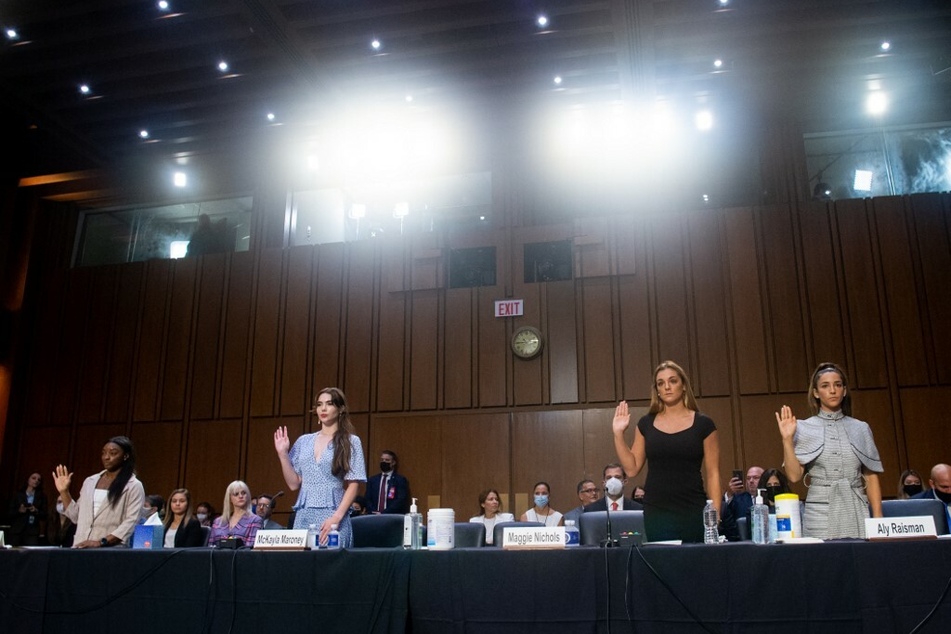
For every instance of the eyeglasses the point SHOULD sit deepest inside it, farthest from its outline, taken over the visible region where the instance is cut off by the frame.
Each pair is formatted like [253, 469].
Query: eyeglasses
[589, 490]
[264, 506]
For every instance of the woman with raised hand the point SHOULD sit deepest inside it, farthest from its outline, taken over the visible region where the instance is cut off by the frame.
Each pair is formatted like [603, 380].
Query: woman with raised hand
[109, 502]
[683, 449]
[837, 453]
[327, 467]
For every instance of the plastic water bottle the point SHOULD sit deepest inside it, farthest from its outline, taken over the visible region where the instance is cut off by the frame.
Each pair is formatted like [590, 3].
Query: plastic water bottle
[759, 519]
[333, 537]
[313, 537]
[572, 534]
[710, 534]
[771, 532]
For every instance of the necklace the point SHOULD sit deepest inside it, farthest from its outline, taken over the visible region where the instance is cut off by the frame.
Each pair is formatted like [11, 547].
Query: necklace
[547, 515]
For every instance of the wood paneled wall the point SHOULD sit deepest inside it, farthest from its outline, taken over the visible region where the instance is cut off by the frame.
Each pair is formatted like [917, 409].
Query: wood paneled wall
[200, 359]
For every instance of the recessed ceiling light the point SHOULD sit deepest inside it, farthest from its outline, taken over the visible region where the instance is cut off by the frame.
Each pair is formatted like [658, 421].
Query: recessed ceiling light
[876, 103]
[163, 5]
[718, 63]
[376, 44]
[704, 120]
[85, 89]
[143, 134]
[557, 80]
[542, 21]
[179, 179]
[409, 98]
[723, 3]
[862, 181]
[223, 66]
[886, 46]
[271, 116]
[12, 34]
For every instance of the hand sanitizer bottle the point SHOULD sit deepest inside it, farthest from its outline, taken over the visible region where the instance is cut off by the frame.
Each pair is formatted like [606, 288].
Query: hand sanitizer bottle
[412, 528]
[759, 520]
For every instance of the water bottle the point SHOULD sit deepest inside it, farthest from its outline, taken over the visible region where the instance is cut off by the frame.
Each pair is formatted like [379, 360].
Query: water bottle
[710, 534]
[771, 532]
[333, 537]
[759, 519]
[572, 534]
[313, 537]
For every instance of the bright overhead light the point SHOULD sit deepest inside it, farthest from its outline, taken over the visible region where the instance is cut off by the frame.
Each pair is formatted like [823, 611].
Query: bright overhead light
[179, 179]
[542, 21]
[876, 103]
[12, 34]
[271, 116]
[177, 249]
[863, 181]
[401, 210]
[223, 66]
[162, 5]
[376, 44]
[143, 134]
[703, 120]
[409, 98]
[718, 63]
[557, 80]
[85, 89]
[723, 3]
[886, 45]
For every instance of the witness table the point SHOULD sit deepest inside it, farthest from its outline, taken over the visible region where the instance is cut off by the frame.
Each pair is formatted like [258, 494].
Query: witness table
[839, 587]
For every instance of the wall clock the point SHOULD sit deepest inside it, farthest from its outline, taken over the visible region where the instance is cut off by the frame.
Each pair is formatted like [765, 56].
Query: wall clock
[526, 342]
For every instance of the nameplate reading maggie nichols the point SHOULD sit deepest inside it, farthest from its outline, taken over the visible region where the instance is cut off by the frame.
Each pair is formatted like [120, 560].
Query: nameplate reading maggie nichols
[533, 537]
[295, 539]
[913, 527]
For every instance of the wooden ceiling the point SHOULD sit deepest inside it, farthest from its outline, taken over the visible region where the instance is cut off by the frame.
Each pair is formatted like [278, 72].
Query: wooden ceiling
[305, 60]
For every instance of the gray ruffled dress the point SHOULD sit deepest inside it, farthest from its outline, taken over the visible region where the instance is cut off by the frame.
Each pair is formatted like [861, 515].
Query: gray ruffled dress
[834, 448]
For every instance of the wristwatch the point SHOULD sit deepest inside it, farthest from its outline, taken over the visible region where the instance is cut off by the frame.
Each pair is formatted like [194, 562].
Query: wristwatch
[103, 543]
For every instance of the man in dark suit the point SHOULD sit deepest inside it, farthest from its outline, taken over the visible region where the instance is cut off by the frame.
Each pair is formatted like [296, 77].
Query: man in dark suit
[940, 483]
[614, 481]
[388, 491]
[266, 504]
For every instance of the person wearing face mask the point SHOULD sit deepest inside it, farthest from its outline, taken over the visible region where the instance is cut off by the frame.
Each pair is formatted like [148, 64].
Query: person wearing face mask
[388, 491]
[542, 511]
[773, 482]
[909, 484]
[837, 453]
[940, 483]
[613, 483]
[205, 514]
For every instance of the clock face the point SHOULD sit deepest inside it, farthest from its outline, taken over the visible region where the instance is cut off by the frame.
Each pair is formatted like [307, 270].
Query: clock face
[526, 342]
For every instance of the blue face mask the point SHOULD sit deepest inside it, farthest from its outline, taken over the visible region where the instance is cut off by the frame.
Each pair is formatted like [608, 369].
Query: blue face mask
[541, 500]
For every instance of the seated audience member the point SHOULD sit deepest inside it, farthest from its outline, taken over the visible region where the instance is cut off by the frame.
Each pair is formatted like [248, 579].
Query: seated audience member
[266, 504]
[182, 529]
[491, 504]
[639, 493]
[773, 482]
[909, 484]
[940, 484]
[587, 493]
[739, 494]
[359, 506]
[27, 512]
[614, 480]
[152, 510]
[236, 520]
[205, 514]
[109, 502]
[541, 511]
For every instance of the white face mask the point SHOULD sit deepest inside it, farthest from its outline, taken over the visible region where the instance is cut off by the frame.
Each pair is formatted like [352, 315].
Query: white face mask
[614, 486]
[202, 516]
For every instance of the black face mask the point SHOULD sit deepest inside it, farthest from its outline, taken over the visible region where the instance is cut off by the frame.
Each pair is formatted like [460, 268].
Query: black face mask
[385, 467]
[941, 495]
[912, 489]
[772, 491]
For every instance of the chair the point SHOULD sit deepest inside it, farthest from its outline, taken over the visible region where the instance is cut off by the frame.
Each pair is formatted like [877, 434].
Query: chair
[594, 526]
[501, 526]
[468, 535]
[205, 535]
[907, 508]
[743, 527]
[377, 531]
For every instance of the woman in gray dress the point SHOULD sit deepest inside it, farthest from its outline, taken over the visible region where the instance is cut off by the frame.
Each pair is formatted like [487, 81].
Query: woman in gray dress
[837, 453]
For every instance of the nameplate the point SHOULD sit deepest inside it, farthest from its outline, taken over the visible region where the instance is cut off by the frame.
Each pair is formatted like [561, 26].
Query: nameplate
[533, 537]
[913, 527]
[295, 539]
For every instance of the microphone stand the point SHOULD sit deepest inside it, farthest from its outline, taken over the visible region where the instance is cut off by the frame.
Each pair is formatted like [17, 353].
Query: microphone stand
[609, 541]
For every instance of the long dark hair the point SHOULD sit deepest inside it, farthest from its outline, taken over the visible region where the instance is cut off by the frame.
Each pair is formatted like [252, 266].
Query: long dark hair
[125, 471]
[823, 368]
[343, 449]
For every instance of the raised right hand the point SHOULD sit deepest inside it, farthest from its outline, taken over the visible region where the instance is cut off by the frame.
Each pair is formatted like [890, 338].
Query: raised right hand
[787, 422]
[282, 443]
[622, 418]
[62, 477]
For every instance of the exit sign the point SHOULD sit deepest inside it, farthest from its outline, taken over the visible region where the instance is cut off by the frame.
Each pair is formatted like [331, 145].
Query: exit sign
[509, 307]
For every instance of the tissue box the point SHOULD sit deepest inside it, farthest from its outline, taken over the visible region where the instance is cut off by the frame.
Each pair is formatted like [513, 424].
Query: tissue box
[148, 537]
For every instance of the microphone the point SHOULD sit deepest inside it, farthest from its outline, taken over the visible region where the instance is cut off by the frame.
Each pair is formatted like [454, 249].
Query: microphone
[612, 487]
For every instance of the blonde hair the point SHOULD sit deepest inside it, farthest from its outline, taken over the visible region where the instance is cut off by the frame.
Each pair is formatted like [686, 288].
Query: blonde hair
[227, 509]
[690, 401]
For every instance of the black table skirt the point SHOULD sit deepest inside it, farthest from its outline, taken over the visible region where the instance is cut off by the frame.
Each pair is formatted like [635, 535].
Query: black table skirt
[839, 587]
